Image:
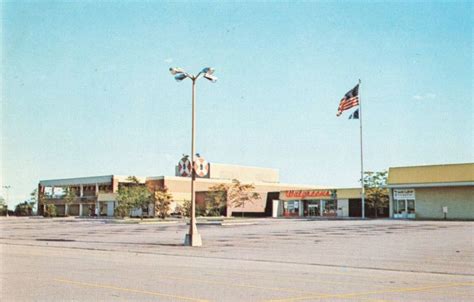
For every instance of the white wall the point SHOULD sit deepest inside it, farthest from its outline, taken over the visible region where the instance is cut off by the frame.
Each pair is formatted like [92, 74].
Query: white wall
[343, 207]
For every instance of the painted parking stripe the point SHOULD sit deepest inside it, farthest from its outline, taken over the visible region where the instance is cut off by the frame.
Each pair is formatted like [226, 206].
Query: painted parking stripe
[354, 295]
[131, 290]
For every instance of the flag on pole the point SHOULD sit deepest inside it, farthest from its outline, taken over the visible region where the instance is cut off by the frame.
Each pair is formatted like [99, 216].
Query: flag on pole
[350, 99]
[354, 115]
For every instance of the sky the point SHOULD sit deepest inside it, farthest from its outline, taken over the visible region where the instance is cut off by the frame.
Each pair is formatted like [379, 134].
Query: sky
[86, 89]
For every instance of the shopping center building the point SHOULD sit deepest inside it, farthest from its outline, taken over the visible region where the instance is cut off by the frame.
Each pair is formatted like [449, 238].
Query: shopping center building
[341, 202]
[97, 195]
[418, 192]
[432, 192]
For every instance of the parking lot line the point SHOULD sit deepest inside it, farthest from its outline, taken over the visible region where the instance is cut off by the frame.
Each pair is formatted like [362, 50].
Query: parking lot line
[145, 292]
[462, 294]
[200, 280]
[358, 294]
[306, 280]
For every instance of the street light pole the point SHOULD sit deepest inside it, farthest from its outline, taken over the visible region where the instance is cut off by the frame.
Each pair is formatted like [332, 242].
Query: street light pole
[7, 188]
[193, 238]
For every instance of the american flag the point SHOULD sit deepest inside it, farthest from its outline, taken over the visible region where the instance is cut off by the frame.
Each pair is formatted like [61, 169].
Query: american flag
[350, 99]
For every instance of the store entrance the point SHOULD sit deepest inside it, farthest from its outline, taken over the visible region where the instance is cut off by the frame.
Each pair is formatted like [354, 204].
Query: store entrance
[312, 208]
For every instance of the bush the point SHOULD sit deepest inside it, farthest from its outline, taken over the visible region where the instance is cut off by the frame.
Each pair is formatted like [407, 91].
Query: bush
[201, 210]
[3, 210]
[162, 201]
[122, 211]
[50, 211]
[185, 208]
[23, 209]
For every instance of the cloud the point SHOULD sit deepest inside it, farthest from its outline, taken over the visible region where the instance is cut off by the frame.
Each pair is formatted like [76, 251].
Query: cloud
[425, 96]
[169, 60]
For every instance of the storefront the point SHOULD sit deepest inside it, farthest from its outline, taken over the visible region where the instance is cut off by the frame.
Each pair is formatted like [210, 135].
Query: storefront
[432, 192]
[318, 203]
[404, 203]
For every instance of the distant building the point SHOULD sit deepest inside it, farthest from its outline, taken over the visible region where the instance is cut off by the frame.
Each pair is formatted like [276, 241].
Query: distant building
[96, 195]
[418, 192]
[432, 192]
[341, 202]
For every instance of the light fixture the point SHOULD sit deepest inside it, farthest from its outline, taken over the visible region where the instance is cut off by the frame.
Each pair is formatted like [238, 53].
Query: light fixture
[208, 70]
[180, 76]
[210, 77]
[176, 70]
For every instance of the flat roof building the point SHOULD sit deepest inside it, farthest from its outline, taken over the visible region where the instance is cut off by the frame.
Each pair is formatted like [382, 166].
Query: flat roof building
[416, 192]
[94, 195]
[432, 192]
[97, 195]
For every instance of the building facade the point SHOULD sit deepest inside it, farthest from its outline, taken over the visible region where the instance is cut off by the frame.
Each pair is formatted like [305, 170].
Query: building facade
[97, 195]
[342, 202]
[94, 196]
[432, 192]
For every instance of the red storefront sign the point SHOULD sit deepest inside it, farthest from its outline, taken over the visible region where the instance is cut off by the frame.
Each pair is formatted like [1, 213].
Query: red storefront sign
[307, 193]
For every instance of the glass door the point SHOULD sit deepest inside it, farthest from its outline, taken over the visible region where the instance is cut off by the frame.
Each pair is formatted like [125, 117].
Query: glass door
[313, 210]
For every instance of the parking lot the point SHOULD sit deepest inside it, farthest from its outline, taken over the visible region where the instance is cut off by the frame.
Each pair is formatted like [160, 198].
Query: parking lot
[260, 260]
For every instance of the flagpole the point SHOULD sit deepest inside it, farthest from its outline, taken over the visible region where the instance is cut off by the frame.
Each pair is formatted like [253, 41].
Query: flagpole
[361, 157]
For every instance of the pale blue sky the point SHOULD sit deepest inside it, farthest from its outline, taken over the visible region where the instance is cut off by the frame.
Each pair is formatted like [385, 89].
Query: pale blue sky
[86, 88]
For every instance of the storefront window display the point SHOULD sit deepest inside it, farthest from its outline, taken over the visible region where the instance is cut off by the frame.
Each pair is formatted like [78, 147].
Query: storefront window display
[404, 203]
[399, 207]
[329, 207]
[291, 208]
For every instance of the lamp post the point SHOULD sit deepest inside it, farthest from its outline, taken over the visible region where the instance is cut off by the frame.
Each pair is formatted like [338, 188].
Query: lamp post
[7, 188]
[193, 238]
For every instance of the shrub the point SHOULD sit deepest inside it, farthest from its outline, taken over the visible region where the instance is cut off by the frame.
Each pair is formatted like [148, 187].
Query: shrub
[50, 211]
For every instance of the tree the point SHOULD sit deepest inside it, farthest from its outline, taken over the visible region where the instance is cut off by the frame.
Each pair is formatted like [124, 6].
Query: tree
[132, 195]
[3, 207]
[50, 210]
[185, 208]
[162, 202]
[39, 199]
[69, 199]
[240, 194]
[375, 191]
[34, 199]
[24, 209]
[235, 194]
[216, 199]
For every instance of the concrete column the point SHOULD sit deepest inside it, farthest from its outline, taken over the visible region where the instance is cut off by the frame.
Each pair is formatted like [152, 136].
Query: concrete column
[321, 210]
[81, 209]
[97, 208]
[66, 209]
[39, 207]
[81, 190]
[275, 208]
[390, 203]
[300, 209]
[110, 208]
[115, 185]
[96, 189]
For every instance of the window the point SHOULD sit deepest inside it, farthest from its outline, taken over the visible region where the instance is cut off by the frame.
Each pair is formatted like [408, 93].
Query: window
[291, 207]
[329, 208]
[410, 206]
[399, 207]
[404, 206]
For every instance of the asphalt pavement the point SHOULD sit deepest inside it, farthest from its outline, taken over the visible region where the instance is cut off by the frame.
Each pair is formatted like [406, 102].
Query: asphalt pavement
[258, 260]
